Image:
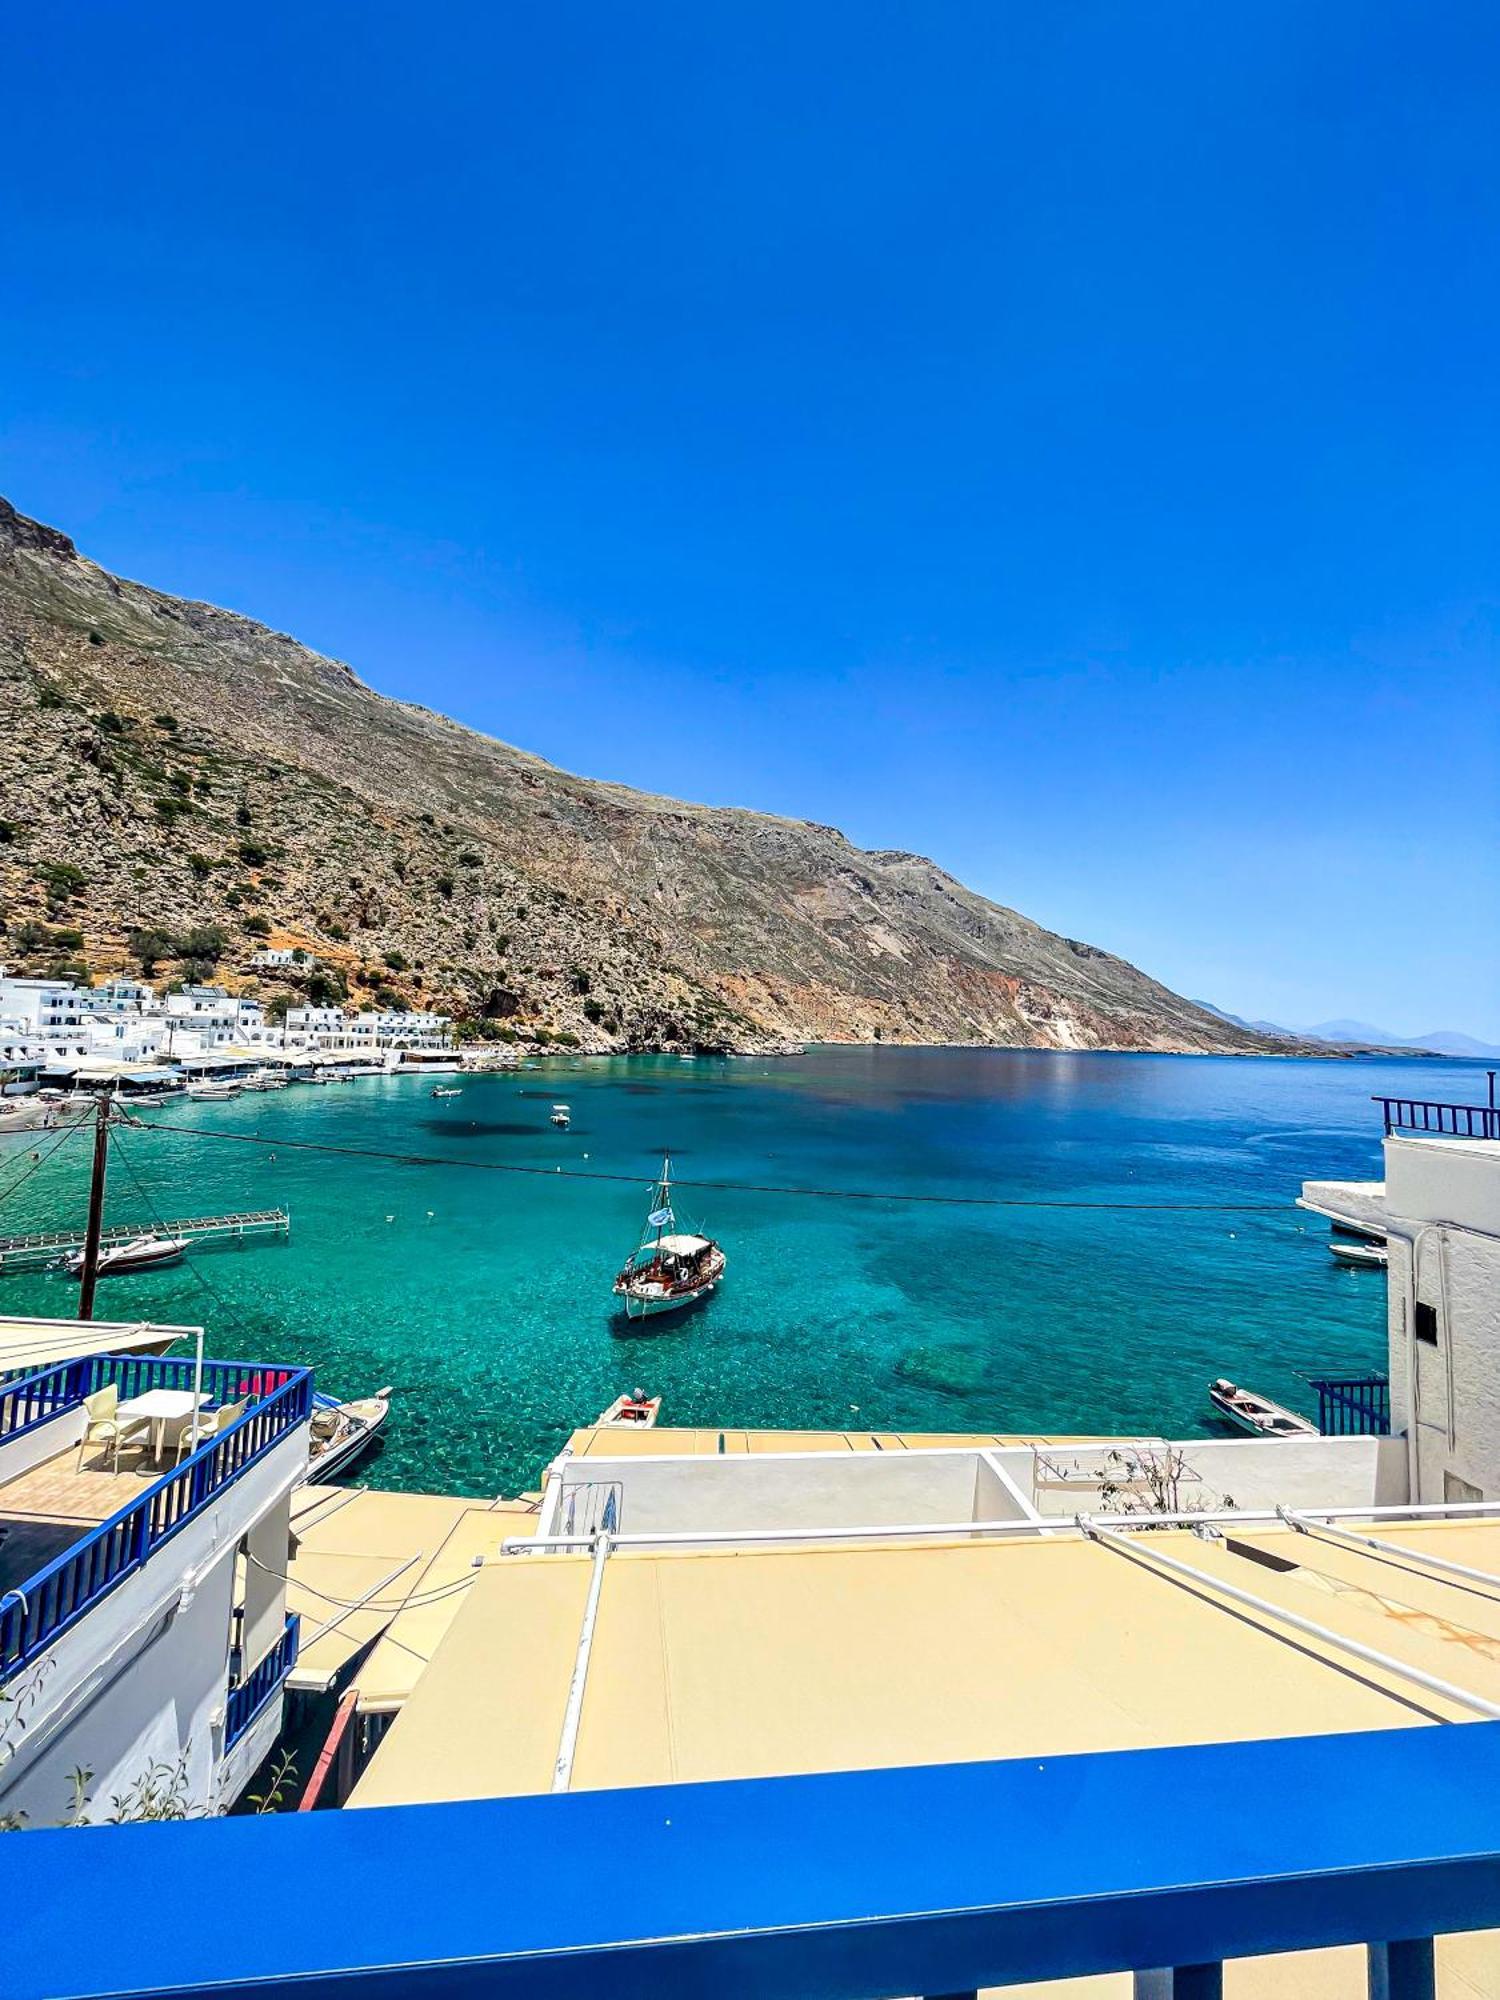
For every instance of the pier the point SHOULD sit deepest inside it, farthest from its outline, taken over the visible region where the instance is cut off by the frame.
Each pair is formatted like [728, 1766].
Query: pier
[42, 1247]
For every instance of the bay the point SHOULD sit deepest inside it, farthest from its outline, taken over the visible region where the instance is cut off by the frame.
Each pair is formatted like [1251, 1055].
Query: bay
[420, 1257]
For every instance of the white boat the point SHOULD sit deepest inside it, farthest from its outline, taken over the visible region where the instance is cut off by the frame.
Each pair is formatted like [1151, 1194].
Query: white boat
[215, 1090]
[141, 1253]
[1257, 1414]
[262, 1081]
[1352, 1250]
[562, 1117]
[341, 1431]
[669, 1268]
[635, 1412]
[149, 1098]
[438, 1091]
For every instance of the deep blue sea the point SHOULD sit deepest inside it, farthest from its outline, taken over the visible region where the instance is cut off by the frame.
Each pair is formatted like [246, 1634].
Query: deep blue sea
[484, 1297]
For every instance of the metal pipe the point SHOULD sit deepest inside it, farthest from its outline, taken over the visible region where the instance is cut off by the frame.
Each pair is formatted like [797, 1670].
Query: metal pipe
[1324, 1634]
[1244, 1517]
[562, 1773]
[1306, 1525]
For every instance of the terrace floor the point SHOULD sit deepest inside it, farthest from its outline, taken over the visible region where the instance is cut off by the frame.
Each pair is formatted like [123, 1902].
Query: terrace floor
[45, 1510]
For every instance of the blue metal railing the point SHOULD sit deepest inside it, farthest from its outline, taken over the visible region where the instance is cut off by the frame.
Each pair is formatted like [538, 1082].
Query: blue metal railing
[34, 1614]
[848, 1885]
[1353, 1405]
[257, 1688]
[29, 1400]
[1453, 1121]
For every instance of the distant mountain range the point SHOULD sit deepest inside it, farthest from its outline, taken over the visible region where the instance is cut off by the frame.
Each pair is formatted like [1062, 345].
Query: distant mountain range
[1364, 1034]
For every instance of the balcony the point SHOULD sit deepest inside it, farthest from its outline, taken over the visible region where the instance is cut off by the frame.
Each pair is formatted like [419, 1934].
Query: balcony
[51, 1574]
[1439, 1117]
[836, 1886]
[248, 1700]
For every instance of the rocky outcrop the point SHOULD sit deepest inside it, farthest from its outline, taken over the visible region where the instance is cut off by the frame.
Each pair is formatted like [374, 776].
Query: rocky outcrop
[184, 785]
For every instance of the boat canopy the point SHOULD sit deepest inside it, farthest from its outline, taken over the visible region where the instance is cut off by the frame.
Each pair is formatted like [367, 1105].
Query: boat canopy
[678, 1246]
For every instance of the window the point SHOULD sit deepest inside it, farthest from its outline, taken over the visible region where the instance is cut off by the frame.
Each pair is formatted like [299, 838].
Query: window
[1427, 1325]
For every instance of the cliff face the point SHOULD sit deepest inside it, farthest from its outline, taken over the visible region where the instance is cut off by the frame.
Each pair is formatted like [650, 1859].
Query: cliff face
[169, 767]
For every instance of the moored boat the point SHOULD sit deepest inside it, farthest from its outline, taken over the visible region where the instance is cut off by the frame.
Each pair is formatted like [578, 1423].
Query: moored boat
[141, 1253]
[1361, 1253]
[1257, 1414]
[341, 1431]
[562, 1117]
[669, 1268]
[439, 1091]
[213, 1090]
[635, 1412]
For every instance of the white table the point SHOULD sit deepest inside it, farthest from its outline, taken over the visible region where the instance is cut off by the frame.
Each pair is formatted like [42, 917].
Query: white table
[158, 1407]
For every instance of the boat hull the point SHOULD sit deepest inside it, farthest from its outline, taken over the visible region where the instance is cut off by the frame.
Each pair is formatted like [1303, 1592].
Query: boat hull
[639, 1308]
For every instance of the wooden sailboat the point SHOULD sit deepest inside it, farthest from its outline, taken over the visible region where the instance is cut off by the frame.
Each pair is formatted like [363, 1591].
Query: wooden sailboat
[669, 1268]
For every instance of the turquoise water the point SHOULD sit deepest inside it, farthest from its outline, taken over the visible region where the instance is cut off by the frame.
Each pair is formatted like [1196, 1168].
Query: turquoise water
[484, 1297]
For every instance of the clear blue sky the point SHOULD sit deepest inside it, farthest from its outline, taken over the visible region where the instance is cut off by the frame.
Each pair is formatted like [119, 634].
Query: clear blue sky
[1061, 439]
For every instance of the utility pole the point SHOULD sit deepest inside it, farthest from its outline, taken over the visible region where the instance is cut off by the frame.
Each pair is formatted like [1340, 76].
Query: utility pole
[96, 1209]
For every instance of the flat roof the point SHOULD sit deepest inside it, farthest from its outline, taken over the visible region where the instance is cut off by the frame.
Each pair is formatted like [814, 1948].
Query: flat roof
[664, 1441]
[386, 1554]
[731, 1663]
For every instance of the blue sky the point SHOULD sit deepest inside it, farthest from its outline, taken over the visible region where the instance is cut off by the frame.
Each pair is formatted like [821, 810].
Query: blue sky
[1061, 440]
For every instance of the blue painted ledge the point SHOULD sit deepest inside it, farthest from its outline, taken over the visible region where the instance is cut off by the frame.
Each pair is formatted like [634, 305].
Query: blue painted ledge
[934, 1879]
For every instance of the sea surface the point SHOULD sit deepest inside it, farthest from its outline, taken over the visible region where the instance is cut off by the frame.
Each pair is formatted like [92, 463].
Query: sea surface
[1103, 1299]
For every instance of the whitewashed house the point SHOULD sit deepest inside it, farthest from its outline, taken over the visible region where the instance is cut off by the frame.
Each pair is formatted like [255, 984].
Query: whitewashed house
[144, 1635]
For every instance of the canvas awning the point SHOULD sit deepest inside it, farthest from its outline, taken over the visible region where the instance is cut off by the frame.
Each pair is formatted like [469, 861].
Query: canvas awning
[33, 1344]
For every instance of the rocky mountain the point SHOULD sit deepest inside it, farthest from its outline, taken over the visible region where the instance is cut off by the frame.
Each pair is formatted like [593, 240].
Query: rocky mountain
[180, 786]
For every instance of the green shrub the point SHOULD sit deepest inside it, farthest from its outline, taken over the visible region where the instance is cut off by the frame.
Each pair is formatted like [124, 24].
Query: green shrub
[61, 880]
[201, 866]
[469, 859]
[242, 815]
[47, 696]
[253, 854]
[148, 947]
[593, 1010]
[257, 926]
[396, 960]
[111, 724]
[169, 811]
[393, 1002]
[580, 981]
[445, 886]
[180, 782]
[167, 722]
[203, 941]
[68, 940]
[96, 638]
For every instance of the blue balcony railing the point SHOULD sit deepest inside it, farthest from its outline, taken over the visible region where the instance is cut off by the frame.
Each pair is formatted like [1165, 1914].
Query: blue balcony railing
[1353, 1405]
[38, 1611]
[1442, 1119]
[29, 1400]
[257, 1688]
[851, 1885]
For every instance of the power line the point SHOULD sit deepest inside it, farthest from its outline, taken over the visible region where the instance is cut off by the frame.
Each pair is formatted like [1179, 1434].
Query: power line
[40, 1161]
[723, 1187]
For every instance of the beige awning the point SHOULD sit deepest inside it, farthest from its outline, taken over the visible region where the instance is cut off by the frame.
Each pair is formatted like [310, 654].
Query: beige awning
[33, 1344]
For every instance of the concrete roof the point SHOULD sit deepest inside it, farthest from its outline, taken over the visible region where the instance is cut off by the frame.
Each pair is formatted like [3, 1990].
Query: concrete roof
[728, 1663]
[663, 1441]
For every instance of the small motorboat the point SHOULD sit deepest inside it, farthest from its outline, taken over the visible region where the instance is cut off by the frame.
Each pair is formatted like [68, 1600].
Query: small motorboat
[439, 1091]
[1257, 1414]
[1360, 1253]
[149, 1099]
[669, 1268]
[341, 1431]
[635, 1412]
[562, 1117]
[213, 1090]
[141, 1253]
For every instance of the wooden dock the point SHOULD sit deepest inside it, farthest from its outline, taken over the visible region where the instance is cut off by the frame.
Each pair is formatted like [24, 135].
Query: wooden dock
[42, 1247]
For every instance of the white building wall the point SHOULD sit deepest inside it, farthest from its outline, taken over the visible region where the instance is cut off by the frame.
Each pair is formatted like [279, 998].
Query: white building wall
[144, 1675]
